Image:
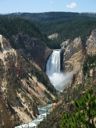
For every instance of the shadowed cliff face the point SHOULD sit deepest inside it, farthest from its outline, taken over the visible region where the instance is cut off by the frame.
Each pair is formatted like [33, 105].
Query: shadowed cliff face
[33, 48]
[22, 88]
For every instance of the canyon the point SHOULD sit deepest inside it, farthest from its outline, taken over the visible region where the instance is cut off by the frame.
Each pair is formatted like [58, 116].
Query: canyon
[40, 80]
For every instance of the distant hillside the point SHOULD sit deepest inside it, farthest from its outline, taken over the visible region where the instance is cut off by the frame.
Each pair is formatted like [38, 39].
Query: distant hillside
[12, 25]
[67, 25]
[45, 17]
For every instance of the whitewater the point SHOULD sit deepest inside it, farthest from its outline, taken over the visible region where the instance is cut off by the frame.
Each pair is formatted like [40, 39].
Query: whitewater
[53, 69]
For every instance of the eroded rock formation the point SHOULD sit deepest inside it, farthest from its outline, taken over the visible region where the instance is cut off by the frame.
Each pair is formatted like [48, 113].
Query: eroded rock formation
[91, 43]
[73, 58]
[22, 86]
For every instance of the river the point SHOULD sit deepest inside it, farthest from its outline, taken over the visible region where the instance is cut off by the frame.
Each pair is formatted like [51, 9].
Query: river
[43, 112]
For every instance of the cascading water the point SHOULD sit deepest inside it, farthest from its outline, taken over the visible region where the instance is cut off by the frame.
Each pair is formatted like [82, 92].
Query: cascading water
[57, 78]
[53, 64]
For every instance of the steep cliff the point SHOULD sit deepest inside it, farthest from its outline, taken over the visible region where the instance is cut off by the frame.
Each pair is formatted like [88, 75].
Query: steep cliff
[91, 43]
[74, 55]
[23, 86]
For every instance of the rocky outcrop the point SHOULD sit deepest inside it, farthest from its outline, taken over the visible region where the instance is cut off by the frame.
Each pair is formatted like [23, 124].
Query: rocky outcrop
[73, 58]
[80, 57]
[53, 36]
[23, 86]
[75, 55]
[91, 43]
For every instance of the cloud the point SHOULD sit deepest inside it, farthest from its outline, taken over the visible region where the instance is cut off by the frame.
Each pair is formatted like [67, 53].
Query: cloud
[71, 5]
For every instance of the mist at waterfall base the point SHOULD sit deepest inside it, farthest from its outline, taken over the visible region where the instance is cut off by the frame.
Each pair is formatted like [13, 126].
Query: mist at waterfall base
[57, 78]
[60, 80]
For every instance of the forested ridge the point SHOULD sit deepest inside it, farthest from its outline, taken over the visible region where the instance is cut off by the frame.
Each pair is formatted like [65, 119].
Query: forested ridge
[67, 25]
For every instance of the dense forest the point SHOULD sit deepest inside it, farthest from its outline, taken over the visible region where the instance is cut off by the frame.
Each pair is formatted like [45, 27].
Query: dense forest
[83, 114]
[67, 25]
[10, 26]
[69, 29]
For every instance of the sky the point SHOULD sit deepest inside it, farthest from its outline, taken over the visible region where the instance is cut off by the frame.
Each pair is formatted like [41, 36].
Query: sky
[11, 6]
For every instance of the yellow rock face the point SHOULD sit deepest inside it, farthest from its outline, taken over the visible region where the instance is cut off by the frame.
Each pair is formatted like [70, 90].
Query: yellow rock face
[91, 44]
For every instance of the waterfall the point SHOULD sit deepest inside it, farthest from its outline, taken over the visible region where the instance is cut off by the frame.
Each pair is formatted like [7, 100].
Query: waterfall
[53, 63]
[56, 77]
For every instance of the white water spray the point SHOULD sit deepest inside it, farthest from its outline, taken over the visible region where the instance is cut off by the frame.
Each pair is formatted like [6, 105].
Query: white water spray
[57, 78]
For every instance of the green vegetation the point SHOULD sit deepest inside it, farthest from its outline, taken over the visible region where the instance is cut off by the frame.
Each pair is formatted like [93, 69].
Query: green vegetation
[69, 29]
[12, 26]
[90, 62]
[84, 114]
[67, 25]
